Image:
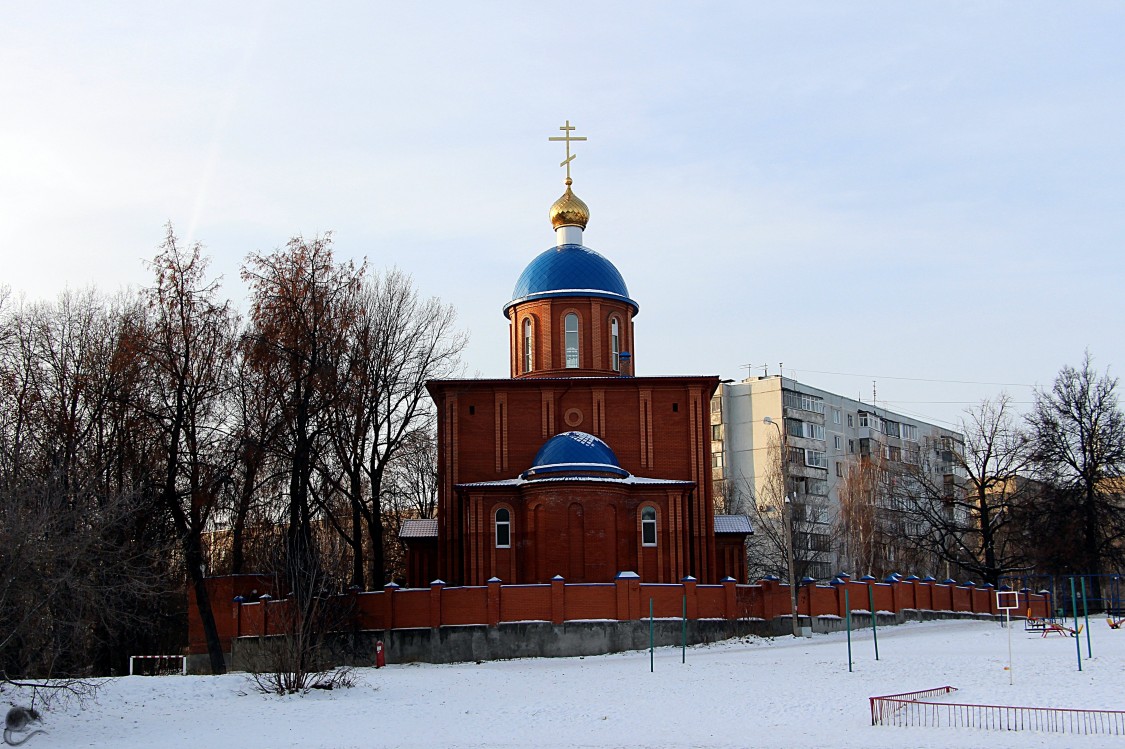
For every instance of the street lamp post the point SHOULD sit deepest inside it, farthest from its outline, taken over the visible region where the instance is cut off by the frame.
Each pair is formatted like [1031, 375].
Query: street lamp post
[787, 519]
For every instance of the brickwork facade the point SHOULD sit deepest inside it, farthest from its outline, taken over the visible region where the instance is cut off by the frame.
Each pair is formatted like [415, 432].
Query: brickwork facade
[490, 431]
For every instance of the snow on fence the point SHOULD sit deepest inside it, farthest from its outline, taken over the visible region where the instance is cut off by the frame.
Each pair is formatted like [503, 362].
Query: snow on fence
[153, 665]
[911, 709]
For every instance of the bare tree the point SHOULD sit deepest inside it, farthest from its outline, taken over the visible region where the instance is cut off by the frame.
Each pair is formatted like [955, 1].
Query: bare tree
[303, 305]
[971, 523]
[186, 346]
[79, 550]
[400, 340]
[859, 531]
[299, 657]
[1077, 433]
[763, 500]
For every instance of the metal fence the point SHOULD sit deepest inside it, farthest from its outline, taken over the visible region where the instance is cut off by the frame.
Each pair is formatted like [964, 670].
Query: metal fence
[910, 709]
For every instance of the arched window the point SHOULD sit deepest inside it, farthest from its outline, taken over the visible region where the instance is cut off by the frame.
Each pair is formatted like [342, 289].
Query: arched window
[503, 528]
[527, 347]
[570, 326]
[648, 526]
[615, 344]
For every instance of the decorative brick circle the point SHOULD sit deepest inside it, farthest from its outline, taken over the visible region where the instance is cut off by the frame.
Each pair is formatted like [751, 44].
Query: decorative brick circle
[573, 417]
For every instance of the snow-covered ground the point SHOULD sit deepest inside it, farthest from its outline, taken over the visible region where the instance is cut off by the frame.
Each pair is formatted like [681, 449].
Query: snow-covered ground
[742, 693]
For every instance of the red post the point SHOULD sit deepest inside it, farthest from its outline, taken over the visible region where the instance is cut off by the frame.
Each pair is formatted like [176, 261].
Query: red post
[622, 586]
[380, 656]
[389, 605]
[730, 597]
[435, 602]
[690, 593]
[494, 601]
[558, 599]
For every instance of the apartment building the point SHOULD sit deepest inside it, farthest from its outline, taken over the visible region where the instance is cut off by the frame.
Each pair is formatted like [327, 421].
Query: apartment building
[769, 432]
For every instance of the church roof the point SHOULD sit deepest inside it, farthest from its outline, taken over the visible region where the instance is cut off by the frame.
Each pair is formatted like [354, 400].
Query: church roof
[575, 454]
[733, 524]
[419, 528]
[570, 270]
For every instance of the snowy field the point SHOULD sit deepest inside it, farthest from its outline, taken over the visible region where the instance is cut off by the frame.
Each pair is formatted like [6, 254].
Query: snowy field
[743, 693]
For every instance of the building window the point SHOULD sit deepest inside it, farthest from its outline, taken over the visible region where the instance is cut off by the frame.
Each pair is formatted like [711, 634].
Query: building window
[793, 428]
[851, 444]
[717, 405]
[648, 526]
[503, 528]
[850, 420]
[806, 429]
[803, 401]
[570, 342]
[717, 432]
[615, 344]
[816, 459]
[835, 416]
[839, 469]
[838, 442]
[717, 460]
[527, 345]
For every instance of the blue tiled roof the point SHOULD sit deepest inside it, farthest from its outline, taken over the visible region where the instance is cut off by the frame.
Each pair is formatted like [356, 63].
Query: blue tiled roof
[569, 270]
[575, 453]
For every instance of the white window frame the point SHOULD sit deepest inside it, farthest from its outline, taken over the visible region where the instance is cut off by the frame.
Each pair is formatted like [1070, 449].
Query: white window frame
[506, 524]
[648, 526]
[528, 345]
[571, 352]
[615, 343]
[811, 458]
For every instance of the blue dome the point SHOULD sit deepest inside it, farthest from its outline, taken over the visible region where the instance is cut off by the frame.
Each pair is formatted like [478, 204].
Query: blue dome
[575, 454]
[570, 270]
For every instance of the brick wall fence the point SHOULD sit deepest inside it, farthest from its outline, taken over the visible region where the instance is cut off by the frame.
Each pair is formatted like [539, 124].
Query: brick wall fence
[244, 607]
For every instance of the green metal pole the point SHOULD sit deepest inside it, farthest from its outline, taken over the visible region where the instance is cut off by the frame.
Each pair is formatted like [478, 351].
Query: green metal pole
[1074, 604]
[1086, 617]
[683, 647]
[874, 624]
[848, 624]
[651, 638]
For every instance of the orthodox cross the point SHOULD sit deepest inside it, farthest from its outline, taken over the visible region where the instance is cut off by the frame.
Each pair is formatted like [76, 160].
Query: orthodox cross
[567, 137]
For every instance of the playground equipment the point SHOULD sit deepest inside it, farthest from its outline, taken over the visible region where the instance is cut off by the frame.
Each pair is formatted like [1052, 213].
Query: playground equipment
[1036, 623]
[1061, 629]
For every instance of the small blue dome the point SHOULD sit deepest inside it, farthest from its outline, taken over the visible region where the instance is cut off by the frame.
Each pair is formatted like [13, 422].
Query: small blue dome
[575, 454]
[570, 270]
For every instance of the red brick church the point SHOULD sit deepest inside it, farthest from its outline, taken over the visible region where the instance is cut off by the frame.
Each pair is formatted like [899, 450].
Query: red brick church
[573, 466]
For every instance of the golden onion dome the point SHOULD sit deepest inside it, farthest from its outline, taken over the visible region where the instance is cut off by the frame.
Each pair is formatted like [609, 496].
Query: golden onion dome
[569, 210]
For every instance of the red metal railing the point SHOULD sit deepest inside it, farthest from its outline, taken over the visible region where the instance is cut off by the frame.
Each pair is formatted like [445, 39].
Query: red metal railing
[910, 709]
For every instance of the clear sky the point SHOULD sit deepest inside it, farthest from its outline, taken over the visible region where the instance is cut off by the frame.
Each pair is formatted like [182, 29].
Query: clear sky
[922, 191]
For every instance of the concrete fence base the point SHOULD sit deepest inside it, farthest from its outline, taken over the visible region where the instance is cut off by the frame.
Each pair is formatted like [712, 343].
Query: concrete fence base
[509, 640]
